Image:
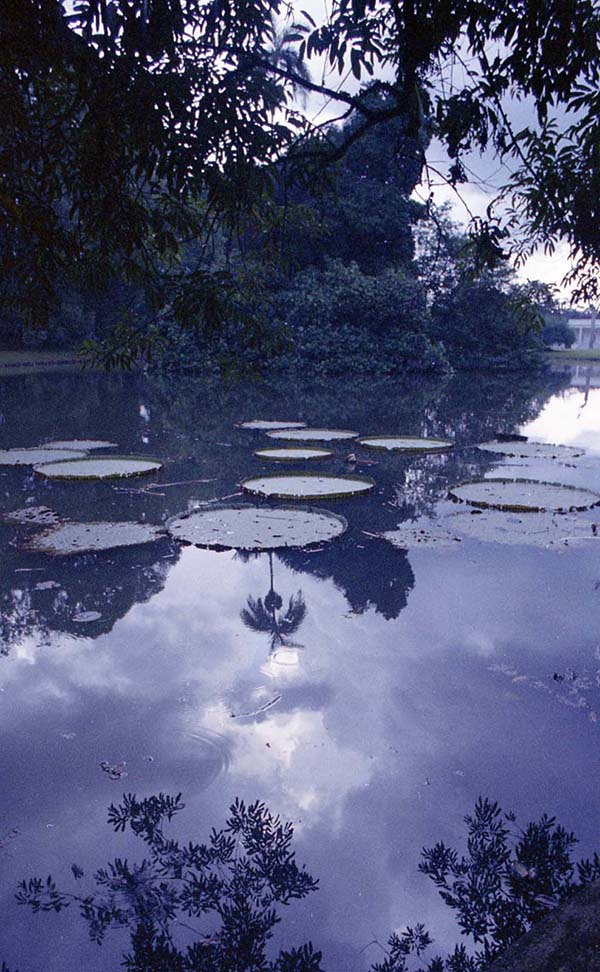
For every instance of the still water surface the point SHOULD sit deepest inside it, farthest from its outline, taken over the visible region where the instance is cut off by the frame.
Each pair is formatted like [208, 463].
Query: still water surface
[415, 681]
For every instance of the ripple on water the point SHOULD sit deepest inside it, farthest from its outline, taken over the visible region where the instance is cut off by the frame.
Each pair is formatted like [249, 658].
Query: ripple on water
[212, 749]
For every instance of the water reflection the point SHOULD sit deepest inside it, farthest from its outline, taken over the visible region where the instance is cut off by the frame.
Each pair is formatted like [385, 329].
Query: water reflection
[386, 726]
[266, 615]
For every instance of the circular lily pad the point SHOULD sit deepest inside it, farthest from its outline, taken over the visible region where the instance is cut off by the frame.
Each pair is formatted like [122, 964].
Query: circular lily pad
[312, 435]
[523, 495]
[255, 528]
[303, 486]
[531, 450]
[264, 425]
[92, 467]
[406, 443]
[79, 444]
[525, 529]
[292, 454]
[76, 538]
[32, 457]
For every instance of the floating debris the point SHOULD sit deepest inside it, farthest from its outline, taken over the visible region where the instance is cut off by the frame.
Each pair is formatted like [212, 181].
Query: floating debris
[110, 467]
[306, 486]
[523, 495]
[85, 445]
[48, 585]
[264, 425]
[255, 712]
[75, 538]
[84, 617]
[255, 528]
[33, 457]
[530, 450]
[407, 536]
[313, 435]
[37, 515]
[406, 443]
[113, 772]
[292, 454]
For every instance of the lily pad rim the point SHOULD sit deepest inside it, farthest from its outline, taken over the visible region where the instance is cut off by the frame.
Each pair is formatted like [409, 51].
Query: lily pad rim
[316, 454]
[159, 463]
[75, 454]
[369, 483]
[367, 442]
[519, 508]
[220, 547]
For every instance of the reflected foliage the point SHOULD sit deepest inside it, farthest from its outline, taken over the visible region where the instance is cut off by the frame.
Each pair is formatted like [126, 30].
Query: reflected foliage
[233, 885]
[231, 888]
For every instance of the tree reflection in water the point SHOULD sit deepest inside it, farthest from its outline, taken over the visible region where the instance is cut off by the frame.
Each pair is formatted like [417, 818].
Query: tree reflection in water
[266, 615]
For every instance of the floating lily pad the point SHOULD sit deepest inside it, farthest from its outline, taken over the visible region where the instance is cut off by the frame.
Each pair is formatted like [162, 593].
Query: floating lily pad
[523, 495]
[32, 457]
[76, 538]
[85, 617]
[531, 450]
[92, 467]
[405, 443]
[409, 536]
[79, 444]
[264, 425]
[292, 455]
[313, 435]
[304, 486]
[526, 529]
[255, 528]
[36, 515]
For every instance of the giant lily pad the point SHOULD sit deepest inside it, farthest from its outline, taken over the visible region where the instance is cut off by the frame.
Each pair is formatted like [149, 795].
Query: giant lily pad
[303, 486]
[76, 538]
[523, 495]
[430, 533]
[312, 435]
[264, 425]
[255, 528]
[525, 529]
[531, 450]
[33, 515]
[92, 467]
[79, 444]
[32, 457]
[293, 454]
[405, 443]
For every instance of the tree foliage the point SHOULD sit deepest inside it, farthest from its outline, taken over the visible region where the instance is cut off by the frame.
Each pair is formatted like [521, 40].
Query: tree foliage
[134, 131]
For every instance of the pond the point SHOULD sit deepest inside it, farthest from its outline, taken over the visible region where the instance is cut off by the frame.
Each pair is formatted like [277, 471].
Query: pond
[395, 686]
